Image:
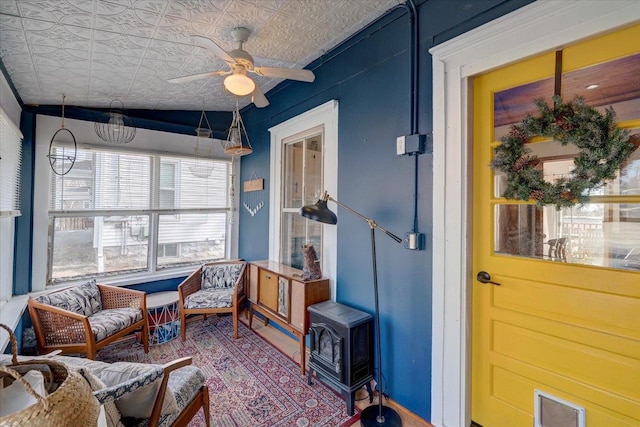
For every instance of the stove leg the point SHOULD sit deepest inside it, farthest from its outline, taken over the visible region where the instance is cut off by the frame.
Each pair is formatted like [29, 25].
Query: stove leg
[350, 399]
[309, 377]
[370, 391]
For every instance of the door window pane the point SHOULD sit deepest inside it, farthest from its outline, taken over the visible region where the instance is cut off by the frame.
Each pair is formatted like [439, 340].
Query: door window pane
[606, 235]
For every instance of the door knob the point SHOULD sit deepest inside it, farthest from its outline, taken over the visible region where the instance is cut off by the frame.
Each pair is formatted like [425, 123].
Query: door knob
[484, 277]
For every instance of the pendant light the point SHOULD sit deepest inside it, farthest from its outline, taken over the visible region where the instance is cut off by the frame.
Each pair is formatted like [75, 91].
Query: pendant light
[114, 126]
[234, 145]
[202, 165]
[61, 158]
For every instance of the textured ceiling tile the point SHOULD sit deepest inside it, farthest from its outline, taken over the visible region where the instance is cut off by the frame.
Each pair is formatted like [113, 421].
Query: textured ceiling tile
[101, 59]
[8, 23]
[46, 10]
[95, 49]
[9, 7]
[11, 45]
[179, 33]
[123, 45]
[60, 36]
[155, 6]
[132, 22]
[109, 8]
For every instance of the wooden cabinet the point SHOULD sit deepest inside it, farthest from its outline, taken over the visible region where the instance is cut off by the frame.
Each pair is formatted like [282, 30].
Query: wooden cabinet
[278, 292]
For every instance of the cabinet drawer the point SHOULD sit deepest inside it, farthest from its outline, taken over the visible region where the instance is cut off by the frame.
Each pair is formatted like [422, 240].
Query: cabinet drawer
[268, 290]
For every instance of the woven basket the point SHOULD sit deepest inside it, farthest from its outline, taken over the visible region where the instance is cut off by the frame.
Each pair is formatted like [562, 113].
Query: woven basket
[71, 404]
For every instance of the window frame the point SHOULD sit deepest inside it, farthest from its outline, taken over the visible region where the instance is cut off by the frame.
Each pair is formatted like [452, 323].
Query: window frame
[12, 146]
[326, 116]
[148, 142]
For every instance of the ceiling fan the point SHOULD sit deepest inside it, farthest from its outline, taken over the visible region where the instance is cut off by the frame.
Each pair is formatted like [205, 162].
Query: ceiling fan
[240, 63]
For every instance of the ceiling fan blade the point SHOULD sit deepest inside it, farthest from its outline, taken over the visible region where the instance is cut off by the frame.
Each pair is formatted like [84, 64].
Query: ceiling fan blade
[259, 99]
[286, 73]
[207, 43]
[193, 77]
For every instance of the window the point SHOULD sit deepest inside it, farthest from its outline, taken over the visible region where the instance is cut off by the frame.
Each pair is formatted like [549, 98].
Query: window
[10, 163]
[117, 213]
[304, 162]
[167, 185]
[301, 185]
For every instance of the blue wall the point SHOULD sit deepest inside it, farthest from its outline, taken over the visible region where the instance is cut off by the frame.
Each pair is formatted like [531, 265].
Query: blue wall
[370, 77]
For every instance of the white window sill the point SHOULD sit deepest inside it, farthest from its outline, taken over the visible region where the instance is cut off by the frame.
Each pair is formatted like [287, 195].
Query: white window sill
[133, 278]
[10, 315]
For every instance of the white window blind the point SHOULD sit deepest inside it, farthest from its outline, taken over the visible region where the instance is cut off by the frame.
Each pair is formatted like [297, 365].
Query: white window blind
[10, 165]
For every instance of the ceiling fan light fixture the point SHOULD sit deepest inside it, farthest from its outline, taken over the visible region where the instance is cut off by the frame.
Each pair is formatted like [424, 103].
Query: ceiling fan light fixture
[239, 84]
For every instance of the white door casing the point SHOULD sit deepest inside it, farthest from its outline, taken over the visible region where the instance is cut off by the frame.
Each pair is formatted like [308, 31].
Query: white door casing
[538, 27]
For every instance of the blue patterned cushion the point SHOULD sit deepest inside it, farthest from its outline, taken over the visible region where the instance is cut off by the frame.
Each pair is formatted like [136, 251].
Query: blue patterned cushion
[220, 275]
[107, 322]
[82, 299]
[210, 298]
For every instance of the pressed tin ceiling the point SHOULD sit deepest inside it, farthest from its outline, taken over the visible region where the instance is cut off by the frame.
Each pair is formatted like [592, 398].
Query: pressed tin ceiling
[93, 51]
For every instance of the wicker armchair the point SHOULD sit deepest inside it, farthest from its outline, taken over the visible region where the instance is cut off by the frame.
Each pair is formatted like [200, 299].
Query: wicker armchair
[85, 318]
[218, 287]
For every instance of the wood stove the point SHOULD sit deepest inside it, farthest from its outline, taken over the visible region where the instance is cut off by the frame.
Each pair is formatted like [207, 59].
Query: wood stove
[341, 348]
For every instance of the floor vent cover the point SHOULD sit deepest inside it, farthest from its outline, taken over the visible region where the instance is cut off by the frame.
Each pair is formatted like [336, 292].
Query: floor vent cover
[551, 411]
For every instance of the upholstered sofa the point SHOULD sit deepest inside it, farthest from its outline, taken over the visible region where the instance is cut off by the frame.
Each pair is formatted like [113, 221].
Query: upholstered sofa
[87, 317]
[139, 394]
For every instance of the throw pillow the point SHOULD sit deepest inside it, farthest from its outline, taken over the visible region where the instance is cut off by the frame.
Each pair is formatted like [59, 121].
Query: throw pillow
[109, 414]
[219, 276]
[82, 299]
[15, 397]
[139, 403]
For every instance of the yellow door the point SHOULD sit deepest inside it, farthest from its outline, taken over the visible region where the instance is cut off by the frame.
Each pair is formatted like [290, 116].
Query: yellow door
[565, 317]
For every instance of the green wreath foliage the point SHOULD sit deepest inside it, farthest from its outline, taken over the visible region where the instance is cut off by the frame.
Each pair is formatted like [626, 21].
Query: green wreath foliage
[603, 149]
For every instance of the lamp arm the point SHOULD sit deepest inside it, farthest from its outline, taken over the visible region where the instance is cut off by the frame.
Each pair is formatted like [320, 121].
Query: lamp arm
[370, 221]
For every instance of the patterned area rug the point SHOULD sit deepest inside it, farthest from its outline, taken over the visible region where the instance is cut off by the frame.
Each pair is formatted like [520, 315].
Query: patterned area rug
[250, 382]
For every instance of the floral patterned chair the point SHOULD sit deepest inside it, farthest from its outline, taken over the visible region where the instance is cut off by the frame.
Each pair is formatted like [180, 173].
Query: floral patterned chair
[218, 287]
[85, 318]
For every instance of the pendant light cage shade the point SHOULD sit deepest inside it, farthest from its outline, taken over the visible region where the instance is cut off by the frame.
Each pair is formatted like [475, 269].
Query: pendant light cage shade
[237, 142]
[114, 126]
[63, 148]
[202, 165]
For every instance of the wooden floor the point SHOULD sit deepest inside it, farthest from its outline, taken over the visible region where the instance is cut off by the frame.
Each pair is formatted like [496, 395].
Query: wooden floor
[290, 347]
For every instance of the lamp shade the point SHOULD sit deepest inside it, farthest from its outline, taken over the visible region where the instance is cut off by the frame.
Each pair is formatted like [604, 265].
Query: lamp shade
[319, 212]
[239, 84]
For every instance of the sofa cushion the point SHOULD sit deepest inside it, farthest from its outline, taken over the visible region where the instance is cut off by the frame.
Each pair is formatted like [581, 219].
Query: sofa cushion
[210, 298]
[220, 276]
[107, 322]
[139, 403]
[82, 299]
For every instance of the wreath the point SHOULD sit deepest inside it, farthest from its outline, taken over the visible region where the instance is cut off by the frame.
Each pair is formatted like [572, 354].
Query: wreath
[603, 149]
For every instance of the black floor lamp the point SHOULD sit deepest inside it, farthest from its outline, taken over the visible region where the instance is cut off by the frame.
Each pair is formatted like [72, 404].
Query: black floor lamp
[372, 415]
